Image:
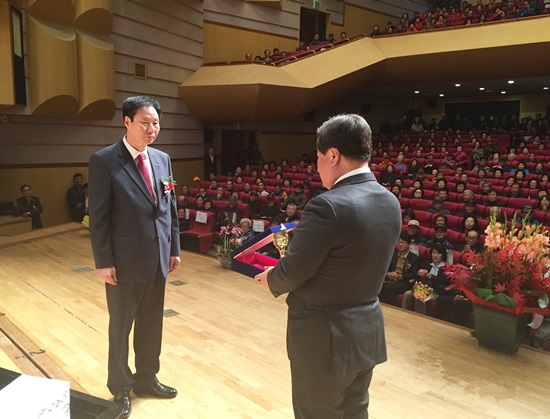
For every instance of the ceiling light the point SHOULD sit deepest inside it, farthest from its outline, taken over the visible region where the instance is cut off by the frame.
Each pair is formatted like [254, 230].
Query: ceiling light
[416, 92]
[441, 95]
[457, 84]
[510, 81]
[545, 88]
[503, 92]
[482, 88]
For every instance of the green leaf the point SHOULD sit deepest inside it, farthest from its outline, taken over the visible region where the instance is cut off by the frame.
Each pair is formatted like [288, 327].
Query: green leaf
[483, 293]
[543, 301]
[503, 300]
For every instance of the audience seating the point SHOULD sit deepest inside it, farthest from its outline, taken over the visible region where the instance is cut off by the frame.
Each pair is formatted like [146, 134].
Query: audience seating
[199, 236]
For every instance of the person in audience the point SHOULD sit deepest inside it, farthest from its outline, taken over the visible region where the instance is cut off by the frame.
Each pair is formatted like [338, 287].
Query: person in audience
[497, 213]
[279, 192]
[210, 158]
[316, 41]
[437, 207]
[429, 165]
[407, 216]
[396, 190]
[220, 194]
[290, 215]
[492, 199]
[413, 229]
[298, 197]
[440, 239]
[343, 35]
[543, 204]
[412, 169]
[270, 210]
[417, 184]
[199, 203]
[418, 193]
[29, 206]
[440, 219]
[431, 275]
[261, 189]
[471, 243]
[267, 58]
[254, 205]
[246, 227]
[403, 267]
[202, 192]
[247, 187]
[231, 215]
[460, 187]
[519, 176]
[388, 177]
[287, 183]
[184, 190]
[400, 167]
[75, 198]
[485, 187]
[469, 222]
[515, 191]
[526, 216]
[196, 182]
[443, 194]
[183, 220]
[461, 158]
[417, 125]
[237, 196]
[509, 182]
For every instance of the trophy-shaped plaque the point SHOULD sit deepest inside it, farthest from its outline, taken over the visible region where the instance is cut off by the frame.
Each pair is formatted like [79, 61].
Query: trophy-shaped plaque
[280, 240]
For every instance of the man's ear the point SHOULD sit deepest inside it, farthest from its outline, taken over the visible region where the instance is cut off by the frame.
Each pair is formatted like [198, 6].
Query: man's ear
[334, 156]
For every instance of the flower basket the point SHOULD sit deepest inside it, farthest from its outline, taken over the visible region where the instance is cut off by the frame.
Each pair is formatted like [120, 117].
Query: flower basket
[507, 284]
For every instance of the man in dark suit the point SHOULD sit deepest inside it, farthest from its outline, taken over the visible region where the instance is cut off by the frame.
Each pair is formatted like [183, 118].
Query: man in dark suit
[334, 270]
[403, 267]
[134, 234]
[210, 163]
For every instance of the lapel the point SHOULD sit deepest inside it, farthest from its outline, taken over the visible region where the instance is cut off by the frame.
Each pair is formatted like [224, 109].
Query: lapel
[130, 167]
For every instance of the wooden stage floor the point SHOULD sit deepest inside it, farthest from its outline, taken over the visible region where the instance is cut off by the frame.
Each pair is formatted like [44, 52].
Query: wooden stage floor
[224, 345]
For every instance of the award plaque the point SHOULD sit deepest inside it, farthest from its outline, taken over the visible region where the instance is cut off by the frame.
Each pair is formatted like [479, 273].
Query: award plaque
[280, 240]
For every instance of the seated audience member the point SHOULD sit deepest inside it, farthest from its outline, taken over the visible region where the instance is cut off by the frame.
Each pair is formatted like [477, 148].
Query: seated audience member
[230, 216]
[29, 206]
[75, 198]
[418, 193]
[183, 219]
[461, 158]
[440, 239]
[254, 204]
[330, 38]
[220, 194]
[247, 188]
[471, 243]
[261, 189]
[437, 207]
[543, 204]
[290, 215]
[185, 190]
[387, 178]
[460, 187]
[403, 267]
[443, 194]
[279, 192]
[431, 275]
[196, 182]
[298, 198]
[440, 219]
[199, 203]
[400, 167]
[407, 216]
[412, 169]
[237, 196]
[413, 229]
[270, 210]
[526, 216]
[247, 233]
[181, 201]
[469, 222]
[202, 192]
[497, 212]
[492, 199]
[515, 191]
[316, 41]
[396, 190]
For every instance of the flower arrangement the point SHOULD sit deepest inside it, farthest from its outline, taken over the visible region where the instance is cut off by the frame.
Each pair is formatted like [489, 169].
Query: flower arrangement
[422, 292]
[229, 240]
[512, 274]
[169, 185]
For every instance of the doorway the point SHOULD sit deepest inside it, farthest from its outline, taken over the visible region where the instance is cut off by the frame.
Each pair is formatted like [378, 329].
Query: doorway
[312, 22]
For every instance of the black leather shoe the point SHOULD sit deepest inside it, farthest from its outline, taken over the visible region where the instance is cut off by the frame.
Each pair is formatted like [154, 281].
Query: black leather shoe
[156, 389]
[123, 398]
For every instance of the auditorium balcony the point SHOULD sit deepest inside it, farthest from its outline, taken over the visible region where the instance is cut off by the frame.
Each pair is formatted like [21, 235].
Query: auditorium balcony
[244, 92]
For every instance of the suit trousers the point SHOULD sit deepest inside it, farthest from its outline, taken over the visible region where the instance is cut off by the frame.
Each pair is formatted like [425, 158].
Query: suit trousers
[411, 303]
[329, 396]
[140, 304]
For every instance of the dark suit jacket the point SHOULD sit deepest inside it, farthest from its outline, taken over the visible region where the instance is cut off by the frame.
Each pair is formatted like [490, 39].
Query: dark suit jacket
[412, 265]
[128, 230]
[210, 165]
[334, 270]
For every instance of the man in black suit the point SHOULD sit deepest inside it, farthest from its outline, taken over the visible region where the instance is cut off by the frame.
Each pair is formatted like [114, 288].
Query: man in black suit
[134, 234]
[403, 267]
[333, 271]
[210, 163]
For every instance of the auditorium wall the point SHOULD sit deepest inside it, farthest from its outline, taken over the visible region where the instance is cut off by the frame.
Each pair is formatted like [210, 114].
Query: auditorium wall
[165, 38]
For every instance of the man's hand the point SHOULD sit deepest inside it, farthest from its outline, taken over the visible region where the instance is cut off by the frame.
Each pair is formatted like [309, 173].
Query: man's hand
[107, 274]
[174, 263]
[262, 277]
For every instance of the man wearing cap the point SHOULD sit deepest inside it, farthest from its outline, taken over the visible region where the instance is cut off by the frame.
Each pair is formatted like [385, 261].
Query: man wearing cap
[526, 216]
[254, 205]
[196, 182]
[298, 197]
[270, 210]
[230, 216]
[413, 229]
[420, 175]
[403, 267]
[440, 238]
[437, 207]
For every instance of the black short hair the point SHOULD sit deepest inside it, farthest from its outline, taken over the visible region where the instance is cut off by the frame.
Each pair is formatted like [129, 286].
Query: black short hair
[25, 186]
[132, 104]
[77, 175]
[440, 249]
[350, 134]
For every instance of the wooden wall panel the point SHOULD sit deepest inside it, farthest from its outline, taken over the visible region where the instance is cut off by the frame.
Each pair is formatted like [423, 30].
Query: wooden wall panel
[278, 146]
[7, 89]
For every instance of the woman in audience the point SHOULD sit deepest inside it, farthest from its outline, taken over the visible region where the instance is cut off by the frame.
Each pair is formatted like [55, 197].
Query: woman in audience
[407, 216]
[469, 223]
[412, 169]
[431, 275]
[519, 176]
[441, 220]
[418, 193]
[396, 190]
[388, 177]
[510, 181]
[477, 152]
[246, 227]
[287, 183]
[543, 204]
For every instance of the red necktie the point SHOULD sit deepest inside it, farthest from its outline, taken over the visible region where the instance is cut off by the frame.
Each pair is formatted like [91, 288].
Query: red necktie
[142, 166]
